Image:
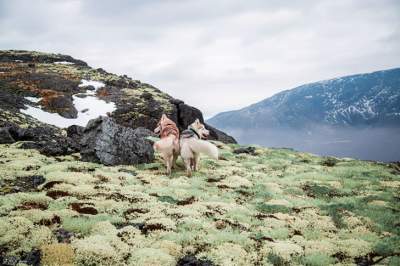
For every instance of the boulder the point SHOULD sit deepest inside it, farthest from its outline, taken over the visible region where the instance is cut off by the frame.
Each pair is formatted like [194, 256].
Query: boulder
[104, 141]
[47, 139]
[187, 114]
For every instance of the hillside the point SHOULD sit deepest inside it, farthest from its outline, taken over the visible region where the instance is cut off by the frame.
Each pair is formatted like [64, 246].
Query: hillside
[264, 207]
[371, 99]
[38, 89]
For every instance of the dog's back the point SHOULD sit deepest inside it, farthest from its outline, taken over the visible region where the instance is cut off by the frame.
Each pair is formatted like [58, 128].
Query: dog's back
[192, 146]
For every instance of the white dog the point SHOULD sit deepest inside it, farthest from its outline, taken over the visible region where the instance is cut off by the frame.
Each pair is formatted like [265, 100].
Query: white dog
[192, 145]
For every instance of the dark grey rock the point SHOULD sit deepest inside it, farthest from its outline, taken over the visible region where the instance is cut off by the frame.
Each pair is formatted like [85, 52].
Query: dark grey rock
[74, 135]
[5, 136]
[187, 114]
[191, 260]
[81, 95]
[63, 236]
[248, 150]
[47, 139]
[63, 105]
[32, 258]
[28, 56]
[10, 261]
[106, 142]
[89, 87]
[75, 131]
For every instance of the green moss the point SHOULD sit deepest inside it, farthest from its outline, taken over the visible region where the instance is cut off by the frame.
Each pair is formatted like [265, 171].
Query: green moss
[269, 208]
[276, 260]
[84, 224]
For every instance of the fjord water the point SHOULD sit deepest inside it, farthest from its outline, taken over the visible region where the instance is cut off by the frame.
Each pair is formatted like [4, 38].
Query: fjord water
[378, 144]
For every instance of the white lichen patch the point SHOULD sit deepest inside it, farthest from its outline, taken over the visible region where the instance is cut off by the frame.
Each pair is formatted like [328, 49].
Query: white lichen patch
[19, 234]
[285, 249]
[230, 254]
[235, 181]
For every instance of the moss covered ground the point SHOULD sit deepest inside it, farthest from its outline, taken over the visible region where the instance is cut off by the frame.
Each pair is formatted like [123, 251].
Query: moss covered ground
[276, 207]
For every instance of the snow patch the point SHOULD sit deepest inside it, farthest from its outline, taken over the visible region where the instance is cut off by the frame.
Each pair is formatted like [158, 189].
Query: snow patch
[63, 63]
[33, 99]
[88, 108]
[95, 84]
[308, 97]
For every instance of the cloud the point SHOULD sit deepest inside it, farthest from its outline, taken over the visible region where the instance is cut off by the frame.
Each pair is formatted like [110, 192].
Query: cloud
[216, 55]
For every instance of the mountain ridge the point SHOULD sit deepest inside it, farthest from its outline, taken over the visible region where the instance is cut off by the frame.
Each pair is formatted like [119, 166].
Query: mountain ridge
[347, 105]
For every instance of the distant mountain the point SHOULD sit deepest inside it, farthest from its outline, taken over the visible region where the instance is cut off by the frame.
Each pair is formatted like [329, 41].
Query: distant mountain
[354, 116]
[371, 99]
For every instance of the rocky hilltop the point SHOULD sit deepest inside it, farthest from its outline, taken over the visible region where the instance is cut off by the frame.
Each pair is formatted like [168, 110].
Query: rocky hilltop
[38, 89]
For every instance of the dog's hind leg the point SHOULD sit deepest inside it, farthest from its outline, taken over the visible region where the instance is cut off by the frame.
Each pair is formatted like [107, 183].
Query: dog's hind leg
[187, 162]
[175, 157]
[171, 163]
[168, 162]
[196, 161]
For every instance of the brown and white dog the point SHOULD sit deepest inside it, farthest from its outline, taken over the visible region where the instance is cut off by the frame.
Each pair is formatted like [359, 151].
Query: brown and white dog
[192, 145]
[168, 145]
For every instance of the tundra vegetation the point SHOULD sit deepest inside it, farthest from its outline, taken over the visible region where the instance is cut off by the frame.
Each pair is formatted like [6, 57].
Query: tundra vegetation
[265, 207]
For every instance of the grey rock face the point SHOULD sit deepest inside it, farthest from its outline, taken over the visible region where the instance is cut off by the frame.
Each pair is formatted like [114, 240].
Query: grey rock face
[104, 141]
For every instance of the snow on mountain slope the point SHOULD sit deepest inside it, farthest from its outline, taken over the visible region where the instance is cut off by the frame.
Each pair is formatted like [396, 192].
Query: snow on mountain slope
[358, 100]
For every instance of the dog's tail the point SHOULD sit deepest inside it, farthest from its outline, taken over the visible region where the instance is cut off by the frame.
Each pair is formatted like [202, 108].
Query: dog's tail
[205, 147]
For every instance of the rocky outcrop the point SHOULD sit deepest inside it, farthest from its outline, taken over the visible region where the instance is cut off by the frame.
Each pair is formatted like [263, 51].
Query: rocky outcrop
[37, 57]
[104, 141]
[49, 140]
[186, 115]
[216, 134]
[55, 78]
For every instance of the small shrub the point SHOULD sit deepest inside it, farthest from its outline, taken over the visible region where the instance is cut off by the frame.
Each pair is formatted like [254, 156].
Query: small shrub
[57, 254]
[267, 208]
[336, 213]
[326, 192]
[329, 161]
[276, 260]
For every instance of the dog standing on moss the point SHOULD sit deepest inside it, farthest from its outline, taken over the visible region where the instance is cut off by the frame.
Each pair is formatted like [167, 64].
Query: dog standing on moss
[192, 145]
[168, 145]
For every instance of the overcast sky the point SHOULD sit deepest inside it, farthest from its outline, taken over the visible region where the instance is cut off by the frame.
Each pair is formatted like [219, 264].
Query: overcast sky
[217, 55]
